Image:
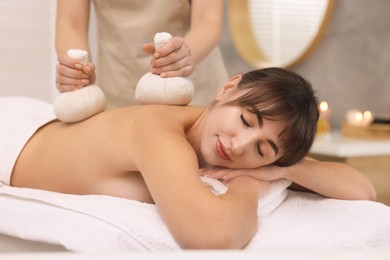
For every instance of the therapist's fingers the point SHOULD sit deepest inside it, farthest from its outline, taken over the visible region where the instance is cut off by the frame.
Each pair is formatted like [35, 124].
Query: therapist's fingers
[179, 58]
[71, 72]
[65, 60]
[174, 50]
[180, 68]
[173, 59]
[68, 79]
[182, 72]
[148, 48]
[183, 67]
[89, 69]
[72, 75]
[173, 45]
[65, 84]
[69, 67]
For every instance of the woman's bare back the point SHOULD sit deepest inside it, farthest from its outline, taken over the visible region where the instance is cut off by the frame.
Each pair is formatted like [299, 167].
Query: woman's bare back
[72, 158]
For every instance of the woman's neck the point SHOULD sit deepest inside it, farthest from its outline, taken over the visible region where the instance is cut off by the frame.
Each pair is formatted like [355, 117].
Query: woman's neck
[194, 134]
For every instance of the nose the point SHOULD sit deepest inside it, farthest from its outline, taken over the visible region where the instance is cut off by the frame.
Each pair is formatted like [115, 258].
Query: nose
[241, 142]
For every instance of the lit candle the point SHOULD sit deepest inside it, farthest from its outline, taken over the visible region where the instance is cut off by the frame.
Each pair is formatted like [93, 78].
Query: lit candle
[323, 125]
[367, 117]
[358, 118]
[324, 110]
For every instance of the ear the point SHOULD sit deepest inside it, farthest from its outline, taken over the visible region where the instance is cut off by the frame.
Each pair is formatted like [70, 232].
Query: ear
[228, 87]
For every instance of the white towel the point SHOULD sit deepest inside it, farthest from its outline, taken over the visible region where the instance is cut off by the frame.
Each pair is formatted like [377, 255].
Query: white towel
[20, 117]
[141, 222]
[309, 221]
[269, 202]
[302, 221]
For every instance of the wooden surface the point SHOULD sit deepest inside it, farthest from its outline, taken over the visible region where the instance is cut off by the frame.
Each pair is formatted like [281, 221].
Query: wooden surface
[373, 131]
[376, 168]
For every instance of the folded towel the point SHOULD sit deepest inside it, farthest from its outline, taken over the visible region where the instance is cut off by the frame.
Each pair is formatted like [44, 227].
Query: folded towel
[267, 203]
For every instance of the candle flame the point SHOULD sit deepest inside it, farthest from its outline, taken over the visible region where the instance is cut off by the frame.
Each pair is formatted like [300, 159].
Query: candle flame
[367, 114]
[359, 116]
[324, 106]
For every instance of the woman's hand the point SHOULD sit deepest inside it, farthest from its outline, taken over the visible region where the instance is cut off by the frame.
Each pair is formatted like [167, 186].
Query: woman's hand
[264, 173]
[231, 178]
[247, 182]
[72, 75]
[171, 60]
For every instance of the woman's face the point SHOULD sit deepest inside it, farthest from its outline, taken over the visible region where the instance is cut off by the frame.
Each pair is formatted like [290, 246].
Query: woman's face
[234, 138]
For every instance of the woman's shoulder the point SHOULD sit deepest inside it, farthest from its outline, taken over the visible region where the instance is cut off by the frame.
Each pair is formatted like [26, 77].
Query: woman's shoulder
[164, 113]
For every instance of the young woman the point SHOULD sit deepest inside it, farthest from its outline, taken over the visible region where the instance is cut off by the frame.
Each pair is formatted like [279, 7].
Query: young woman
[153, 154]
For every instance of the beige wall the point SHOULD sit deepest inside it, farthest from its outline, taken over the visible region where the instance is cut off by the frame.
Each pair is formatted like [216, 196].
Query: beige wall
[351, 66]
[27, 53]
[26, 48]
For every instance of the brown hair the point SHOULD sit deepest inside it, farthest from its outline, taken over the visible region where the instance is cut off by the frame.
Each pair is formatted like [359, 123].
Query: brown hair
[279, 94]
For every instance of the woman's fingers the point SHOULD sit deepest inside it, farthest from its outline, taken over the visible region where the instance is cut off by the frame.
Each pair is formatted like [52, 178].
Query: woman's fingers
[213, 172]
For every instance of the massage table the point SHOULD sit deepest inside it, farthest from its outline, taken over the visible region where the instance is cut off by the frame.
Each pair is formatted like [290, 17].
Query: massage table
[36, 220]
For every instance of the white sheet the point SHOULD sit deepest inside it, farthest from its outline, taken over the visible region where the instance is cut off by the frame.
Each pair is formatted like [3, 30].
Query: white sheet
[302, 221]
[56, 218]
[10, 244]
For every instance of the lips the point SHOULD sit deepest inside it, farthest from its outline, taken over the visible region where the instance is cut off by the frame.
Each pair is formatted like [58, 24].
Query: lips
[221, 150]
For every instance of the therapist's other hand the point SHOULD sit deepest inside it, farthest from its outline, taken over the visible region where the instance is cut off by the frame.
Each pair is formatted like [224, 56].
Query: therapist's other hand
[72, 75]
[171, 60]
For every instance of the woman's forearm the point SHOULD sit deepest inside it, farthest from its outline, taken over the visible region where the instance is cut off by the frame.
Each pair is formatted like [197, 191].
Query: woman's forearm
[331, 179]
[225, 222]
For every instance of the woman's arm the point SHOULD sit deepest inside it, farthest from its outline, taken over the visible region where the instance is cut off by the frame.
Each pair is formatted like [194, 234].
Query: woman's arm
[194, 215]
[72, 22]
[330, 179]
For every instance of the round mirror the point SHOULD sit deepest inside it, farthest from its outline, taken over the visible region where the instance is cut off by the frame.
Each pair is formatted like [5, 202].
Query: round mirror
[278, 33]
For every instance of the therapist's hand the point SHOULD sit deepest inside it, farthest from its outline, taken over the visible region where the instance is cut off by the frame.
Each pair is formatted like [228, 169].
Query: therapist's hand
[171, 60]
[72, 75]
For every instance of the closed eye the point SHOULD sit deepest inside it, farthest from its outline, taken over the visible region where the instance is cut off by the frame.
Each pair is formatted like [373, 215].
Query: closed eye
[259, 150]
[248, 125]
[244, 121]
